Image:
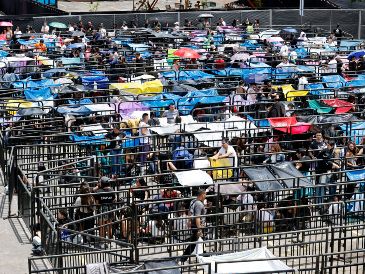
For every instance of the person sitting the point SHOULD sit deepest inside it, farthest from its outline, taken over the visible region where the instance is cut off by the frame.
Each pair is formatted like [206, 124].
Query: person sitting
[276, 156]
[40, 46]
[171, 114]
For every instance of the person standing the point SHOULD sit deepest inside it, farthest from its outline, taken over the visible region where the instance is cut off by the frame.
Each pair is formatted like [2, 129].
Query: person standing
[197, 222]
[227, 151]
[105, 197]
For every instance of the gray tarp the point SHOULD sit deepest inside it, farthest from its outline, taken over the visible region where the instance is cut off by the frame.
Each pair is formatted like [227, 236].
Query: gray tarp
[286, 170]
[266, 181]
[162, 264]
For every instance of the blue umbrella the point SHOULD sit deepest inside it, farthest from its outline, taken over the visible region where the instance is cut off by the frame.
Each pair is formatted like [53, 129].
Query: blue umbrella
[356, 54]
[290, 30]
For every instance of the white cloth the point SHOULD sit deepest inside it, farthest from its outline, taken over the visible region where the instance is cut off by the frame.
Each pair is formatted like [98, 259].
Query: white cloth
[231, 261]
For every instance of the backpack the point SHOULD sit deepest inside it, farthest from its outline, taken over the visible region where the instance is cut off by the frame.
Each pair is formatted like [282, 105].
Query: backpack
[182, 158]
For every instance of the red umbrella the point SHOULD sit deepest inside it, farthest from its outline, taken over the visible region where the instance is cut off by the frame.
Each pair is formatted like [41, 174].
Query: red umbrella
[187, 53]
[340, 105]
[289, 125]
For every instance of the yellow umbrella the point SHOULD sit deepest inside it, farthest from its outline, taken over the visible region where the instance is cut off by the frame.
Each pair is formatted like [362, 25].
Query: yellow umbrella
[290, 92]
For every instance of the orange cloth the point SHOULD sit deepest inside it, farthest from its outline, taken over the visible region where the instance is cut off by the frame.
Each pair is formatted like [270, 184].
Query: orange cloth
[41, 47]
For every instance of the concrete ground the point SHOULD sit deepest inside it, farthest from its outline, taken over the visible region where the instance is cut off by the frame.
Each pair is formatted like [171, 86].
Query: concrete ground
[15, 245]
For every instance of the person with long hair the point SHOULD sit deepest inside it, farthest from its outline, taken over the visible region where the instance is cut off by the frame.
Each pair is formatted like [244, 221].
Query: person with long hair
[351, 153]
[85, 207]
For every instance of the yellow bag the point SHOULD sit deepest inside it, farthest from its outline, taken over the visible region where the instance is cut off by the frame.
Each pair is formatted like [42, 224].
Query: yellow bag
[221, 173]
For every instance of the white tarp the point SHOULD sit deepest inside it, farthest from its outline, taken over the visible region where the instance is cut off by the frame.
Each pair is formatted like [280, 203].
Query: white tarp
[100, 108]
[193, 178]
[96, 129]
[232, 262]
[213, 132]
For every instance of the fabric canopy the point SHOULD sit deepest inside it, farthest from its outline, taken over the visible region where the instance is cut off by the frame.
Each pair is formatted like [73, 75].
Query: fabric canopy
[154, 86]
[286, 170]
[289, 125]
[249, 261]
[340, 105]
[263, 176]
[319, 106]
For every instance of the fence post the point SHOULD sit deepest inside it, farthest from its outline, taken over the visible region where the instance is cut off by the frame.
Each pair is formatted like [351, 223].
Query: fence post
[59, 252]
[359, 26]
[270, 18]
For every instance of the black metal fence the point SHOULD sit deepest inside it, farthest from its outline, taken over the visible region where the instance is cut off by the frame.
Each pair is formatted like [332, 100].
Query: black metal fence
[351, 20]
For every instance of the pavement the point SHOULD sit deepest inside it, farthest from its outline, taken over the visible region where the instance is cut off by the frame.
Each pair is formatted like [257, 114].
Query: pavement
[15, 245]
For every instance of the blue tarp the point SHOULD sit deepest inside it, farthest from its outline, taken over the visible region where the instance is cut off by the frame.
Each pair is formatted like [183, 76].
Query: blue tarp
[209, 96]
[101, 81]
[88, 139]
[187, 75]
[138, 47]
[129, 143]
[356, 132]
[316, 88]
[124, 41]
[74, 110]
[70, 61]
[357, 175]
[3, 53]
[334, 81]
[284, 72]
[356, 83]
[301, 52]
[84, 101]
[28, 83]
[38, 94]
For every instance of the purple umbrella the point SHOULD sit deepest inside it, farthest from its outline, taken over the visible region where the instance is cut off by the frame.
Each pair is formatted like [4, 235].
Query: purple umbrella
[127, 108]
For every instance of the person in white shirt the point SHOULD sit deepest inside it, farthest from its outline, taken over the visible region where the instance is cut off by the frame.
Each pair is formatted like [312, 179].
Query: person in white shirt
[227, 151]
[70, 28]
[284, 51]
[17, 31]
[102, 30]
[222, 22]
[45, 28]
[176, 27]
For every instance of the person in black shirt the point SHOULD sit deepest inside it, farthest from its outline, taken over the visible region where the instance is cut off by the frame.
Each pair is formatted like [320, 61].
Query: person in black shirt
[303, 164]
[326, 162]
[317, 144]
[339, 65]
[353, 64]
[338, 31]
[105, 197]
